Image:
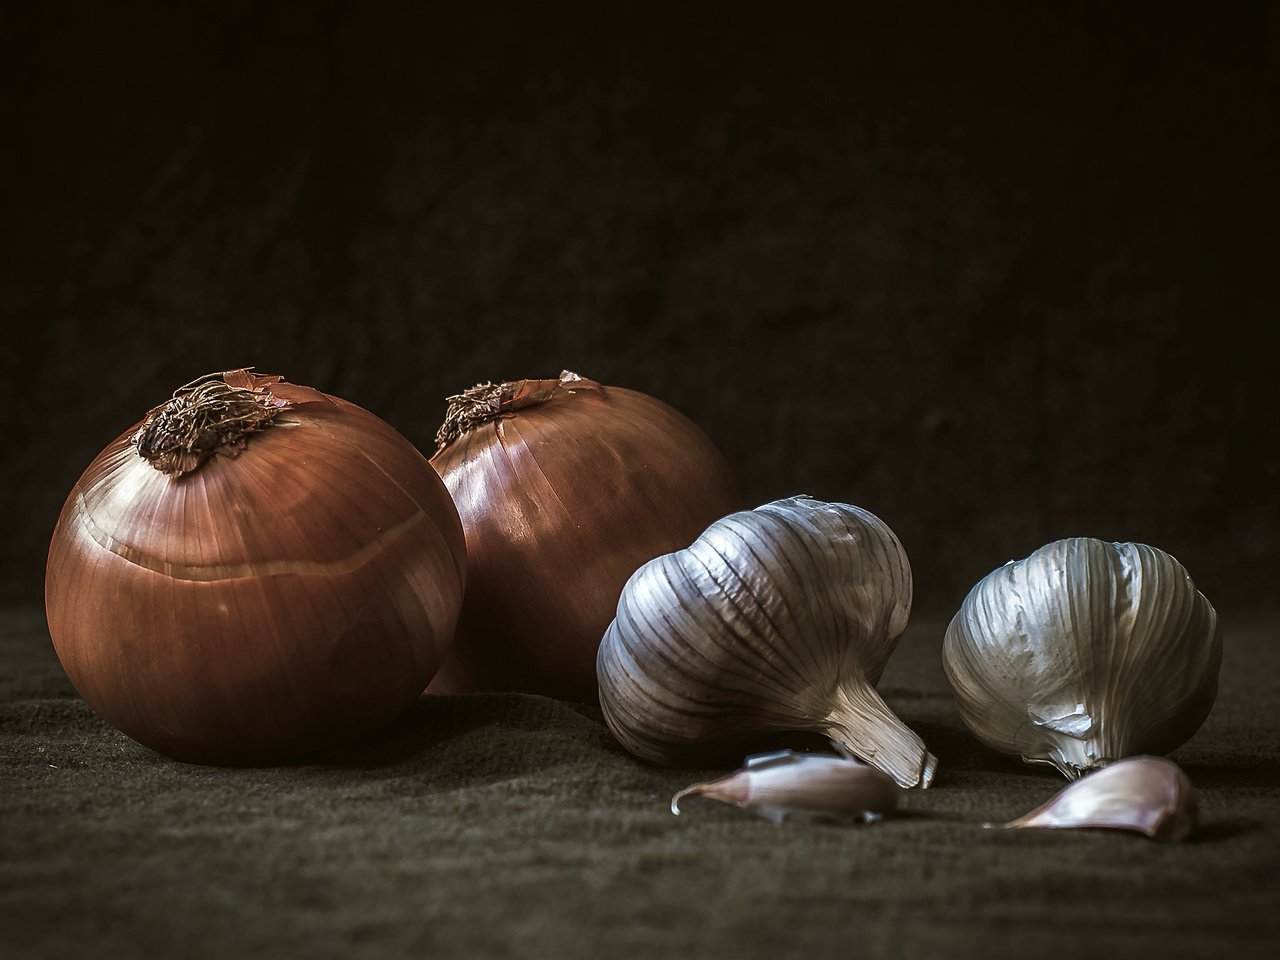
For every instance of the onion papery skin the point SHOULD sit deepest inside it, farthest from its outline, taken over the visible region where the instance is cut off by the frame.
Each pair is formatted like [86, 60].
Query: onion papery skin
[562, 498]
[265, 605]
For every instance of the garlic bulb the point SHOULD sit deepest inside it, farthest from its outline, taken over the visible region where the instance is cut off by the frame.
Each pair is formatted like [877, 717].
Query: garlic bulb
[775, 620]
[1083, 653]
[1148, 795]
[808, 785]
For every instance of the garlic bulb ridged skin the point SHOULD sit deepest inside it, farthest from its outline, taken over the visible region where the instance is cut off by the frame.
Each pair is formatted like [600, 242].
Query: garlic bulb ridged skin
[1083, 653]
[1147, 795]
[802, 785]
[775, 620]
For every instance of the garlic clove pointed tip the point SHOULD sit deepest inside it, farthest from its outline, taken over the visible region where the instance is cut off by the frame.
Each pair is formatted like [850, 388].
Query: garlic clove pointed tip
[681, 794]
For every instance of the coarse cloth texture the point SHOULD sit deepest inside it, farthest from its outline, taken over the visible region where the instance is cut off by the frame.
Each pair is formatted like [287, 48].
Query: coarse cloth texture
[513, 825]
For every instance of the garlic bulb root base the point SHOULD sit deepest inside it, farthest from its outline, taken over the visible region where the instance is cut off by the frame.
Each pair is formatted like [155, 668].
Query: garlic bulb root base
[862, 725]
[928, 770]
[1073, 758]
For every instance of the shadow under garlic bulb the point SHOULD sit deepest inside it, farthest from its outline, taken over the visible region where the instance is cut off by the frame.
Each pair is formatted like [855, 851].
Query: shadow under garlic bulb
[1083, 653]
[256, 571]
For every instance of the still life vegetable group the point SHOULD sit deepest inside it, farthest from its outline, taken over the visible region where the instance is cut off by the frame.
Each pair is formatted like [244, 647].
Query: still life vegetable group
[256, 571]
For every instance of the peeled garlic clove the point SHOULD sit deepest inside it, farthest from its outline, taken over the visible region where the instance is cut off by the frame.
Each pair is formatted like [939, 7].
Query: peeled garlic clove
[1083, 653]
[1149, 795]
[775, 620]
[785, 783]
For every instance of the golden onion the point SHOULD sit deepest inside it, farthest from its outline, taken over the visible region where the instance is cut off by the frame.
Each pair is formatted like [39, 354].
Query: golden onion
[255, 571]
[564, 487]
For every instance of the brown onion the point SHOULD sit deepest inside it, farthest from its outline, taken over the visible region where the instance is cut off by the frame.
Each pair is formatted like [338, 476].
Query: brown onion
[255, 571]
[565, 487]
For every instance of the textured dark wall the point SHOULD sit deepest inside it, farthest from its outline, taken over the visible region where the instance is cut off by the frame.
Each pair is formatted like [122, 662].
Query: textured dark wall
[996, 272]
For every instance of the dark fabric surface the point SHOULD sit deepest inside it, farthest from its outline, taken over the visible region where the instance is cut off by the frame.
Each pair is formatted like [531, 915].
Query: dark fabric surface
[512, 826]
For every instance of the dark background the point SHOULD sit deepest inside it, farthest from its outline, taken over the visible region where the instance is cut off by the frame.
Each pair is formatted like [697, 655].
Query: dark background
[998, 272]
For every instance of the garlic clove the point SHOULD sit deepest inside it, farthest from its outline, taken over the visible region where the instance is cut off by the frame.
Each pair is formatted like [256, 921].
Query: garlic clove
[1148, 795]
[801, 785]
[775, 620]
[1083, 653]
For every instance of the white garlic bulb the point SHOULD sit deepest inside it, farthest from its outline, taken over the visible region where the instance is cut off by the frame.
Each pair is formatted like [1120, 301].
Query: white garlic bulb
[802, 785]
[1083, 653]
[775, 620]
[1148, 795]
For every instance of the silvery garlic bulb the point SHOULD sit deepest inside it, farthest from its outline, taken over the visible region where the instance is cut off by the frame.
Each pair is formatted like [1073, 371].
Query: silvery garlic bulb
[1083, 653]
[775, 620]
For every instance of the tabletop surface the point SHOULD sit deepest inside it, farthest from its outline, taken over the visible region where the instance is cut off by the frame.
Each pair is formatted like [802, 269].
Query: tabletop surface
[513, 825]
